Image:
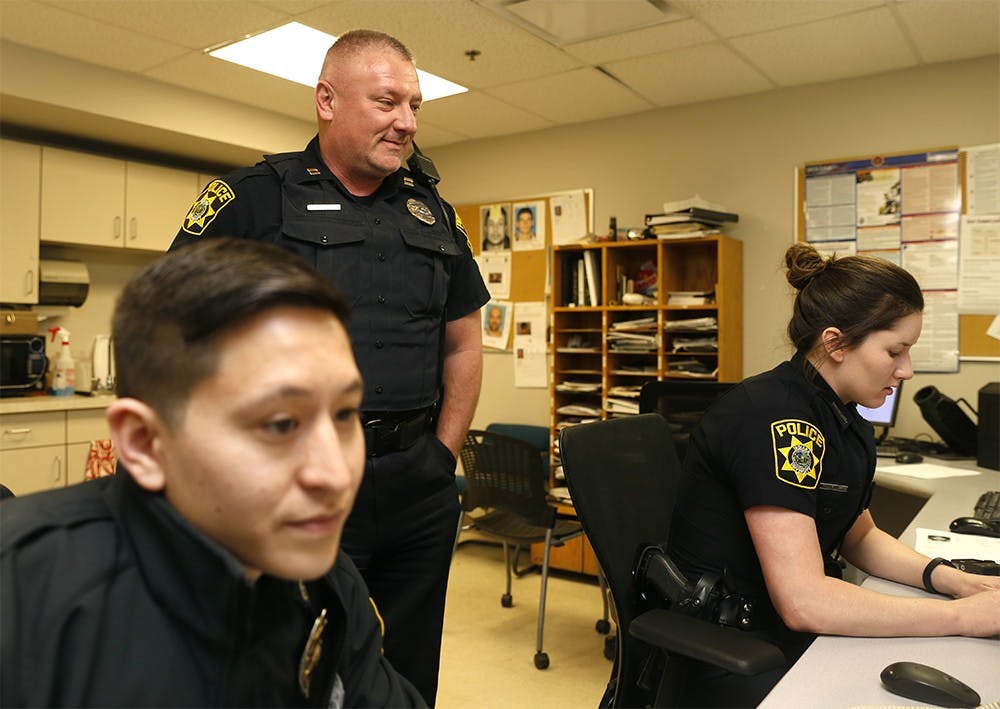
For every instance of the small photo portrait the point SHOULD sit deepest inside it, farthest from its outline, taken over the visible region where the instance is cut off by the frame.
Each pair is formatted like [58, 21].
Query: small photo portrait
[524, 327]
[495, 220]
[494, 318]
[529, 225]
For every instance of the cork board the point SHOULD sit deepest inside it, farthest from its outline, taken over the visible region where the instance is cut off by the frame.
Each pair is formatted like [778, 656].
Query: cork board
[528, 269]
[973, 340]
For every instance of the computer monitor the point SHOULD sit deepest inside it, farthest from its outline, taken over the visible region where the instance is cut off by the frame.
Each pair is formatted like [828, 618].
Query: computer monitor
[682, 403]
[884, 415]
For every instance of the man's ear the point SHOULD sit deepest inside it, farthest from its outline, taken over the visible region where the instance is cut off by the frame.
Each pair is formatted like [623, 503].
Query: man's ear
[831, 338]
[139, 435]
[324, 100]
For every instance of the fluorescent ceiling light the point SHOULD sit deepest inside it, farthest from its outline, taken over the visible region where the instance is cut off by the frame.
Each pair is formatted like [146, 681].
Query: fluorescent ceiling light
[296, 52]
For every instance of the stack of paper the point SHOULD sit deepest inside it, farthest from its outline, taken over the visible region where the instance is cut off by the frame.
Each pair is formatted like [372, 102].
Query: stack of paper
[688, 218]
[690, 297]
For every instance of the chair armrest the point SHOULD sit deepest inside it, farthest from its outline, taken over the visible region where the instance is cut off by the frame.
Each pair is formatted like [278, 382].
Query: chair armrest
[728, 648]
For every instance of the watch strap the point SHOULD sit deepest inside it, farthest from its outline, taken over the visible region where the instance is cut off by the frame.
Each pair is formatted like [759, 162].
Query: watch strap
[929, 569]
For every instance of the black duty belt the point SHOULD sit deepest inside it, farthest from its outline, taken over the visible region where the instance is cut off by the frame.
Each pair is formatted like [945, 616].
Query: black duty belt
[393, 431]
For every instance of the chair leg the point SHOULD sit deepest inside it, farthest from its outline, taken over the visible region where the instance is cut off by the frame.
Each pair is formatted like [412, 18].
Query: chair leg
[507, 600]
[458, 531]
[541, 658]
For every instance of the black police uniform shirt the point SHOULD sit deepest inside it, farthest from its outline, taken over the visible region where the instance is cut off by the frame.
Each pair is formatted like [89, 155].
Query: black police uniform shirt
[402, 257]
[110, 598]
[781, 438]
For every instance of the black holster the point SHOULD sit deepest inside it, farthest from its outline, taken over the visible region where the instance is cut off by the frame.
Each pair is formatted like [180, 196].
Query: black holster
[660, 584]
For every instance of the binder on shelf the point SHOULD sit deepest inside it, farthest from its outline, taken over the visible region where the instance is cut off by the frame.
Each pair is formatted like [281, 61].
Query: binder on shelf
[592, 271]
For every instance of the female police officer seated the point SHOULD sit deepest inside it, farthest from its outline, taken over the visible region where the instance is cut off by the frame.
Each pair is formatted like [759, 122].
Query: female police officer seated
[779, 474]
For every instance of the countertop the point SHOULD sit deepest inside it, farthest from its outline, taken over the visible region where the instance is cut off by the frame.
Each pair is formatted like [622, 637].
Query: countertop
[34, 404]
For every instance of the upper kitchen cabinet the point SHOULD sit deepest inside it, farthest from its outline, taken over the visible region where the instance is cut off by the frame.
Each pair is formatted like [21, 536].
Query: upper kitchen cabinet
[20, 169]
[100, 201]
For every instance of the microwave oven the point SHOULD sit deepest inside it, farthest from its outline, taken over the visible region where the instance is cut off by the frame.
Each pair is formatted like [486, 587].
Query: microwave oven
[22, 364]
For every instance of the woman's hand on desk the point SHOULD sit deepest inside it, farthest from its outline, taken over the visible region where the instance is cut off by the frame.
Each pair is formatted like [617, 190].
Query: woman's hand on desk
[979, 614]
[961, 584]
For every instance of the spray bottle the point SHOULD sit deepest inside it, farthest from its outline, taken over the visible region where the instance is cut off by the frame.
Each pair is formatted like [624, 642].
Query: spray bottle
[64, 376]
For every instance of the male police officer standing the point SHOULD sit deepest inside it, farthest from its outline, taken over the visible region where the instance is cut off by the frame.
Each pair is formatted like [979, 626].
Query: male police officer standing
[383, 235]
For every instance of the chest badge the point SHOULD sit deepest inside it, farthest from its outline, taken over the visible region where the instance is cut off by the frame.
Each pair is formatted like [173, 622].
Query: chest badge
[798, 452]
[311, 653]
[420, 210]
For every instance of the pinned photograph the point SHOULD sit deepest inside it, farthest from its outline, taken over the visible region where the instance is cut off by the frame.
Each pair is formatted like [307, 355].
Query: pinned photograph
[529, 226]
[495, 219]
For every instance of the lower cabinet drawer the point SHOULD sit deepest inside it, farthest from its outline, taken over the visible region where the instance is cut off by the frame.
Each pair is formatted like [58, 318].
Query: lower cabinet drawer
[26, 470]
[32, 430]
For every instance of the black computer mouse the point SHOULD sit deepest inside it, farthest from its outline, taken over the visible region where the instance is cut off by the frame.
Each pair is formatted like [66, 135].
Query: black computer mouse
[928, 684]
[975, 525]
[908, 457]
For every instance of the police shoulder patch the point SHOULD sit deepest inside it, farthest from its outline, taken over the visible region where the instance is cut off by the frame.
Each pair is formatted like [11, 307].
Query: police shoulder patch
[207, 207]
[798, 452]
[460, 225]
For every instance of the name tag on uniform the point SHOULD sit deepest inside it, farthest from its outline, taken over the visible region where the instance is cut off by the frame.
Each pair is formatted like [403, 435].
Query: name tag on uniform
[323, 207]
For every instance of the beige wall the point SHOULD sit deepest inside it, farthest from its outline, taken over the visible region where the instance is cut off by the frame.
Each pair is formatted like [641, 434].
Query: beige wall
[740, 152]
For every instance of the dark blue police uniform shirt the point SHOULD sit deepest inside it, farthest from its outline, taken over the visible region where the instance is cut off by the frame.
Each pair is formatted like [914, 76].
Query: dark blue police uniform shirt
[401, 256]
[781, 438]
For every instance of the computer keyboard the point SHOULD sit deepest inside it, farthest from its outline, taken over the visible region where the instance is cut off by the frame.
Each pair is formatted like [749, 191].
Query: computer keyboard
[988, 505]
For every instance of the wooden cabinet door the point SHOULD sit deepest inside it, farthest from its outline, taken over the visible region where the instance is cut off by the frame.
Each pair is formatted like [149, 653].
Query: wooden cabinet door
[20, 175]
[83, 198]
[157, 198]
[25, 470]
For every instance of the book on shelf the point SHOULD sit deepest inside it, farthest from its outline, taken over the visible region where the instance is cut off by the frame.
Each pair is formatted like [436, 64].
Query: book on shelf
[693, 208]
[621, 406]
[690, 297]
[643, 323]
[700, 324]
[695, 200]
[592, 273]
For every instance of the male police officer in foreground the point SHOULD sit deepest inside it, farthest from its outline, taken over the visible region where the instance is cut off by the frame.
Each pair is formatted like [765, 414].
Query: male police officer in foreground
[205, 573]
[381, 234]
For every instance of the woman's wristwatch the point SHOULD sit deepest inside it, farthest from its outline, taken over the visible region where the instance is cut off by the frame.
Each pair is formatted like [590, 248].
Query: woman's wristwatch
[929, 569]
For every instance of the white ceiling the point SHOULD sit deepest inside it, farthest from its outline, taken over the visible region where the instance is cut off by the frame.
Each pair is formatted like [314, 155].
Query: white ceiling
[584, 60]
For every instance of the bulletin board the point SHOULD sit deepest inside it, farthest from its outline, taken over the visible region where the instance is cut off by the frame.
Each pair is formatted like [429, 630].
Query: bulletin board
[529, 268]
[826, 227]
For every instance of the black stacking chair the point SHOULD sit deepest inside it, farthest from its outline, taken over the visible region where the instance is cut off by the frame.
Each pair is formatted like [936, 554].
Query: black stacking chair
[504, 479]
[622, 475]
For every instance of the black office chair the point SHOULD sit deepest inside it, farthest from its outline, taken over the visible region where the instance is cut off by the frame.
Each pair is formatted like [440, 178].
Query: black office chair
[622, 474]
[504, 478]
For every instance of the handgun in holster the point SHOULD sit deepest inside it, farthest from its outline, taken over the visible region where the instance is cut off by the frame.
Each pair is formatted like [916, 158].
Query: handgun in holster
[659, 583]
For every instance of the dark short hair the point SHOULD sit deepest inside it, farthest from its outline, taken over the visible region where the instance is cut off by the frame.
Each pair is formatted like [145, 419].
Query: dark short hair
[170, 315]
[856, 294]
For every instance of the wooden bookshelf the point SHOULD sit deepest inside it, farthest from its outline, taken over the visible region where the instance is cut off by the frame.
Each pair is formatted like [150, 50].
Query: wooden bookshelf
[583, 357]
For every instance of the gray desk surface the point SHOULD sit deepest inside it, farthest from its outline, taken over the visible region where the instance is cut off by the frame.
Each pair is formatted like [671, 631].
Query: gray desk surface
[838, 672]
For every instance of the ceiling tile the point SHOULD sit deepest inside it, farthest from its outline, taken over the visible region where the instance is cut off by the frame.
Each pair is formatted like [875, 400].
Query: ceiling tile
[70, 35]
[817, 52]
[702, 73]
[195, 24]
[201, 72]
[935, 25]
[576, 96]
[732, 18]
[479, 116]
[439, 32]
[650, 40]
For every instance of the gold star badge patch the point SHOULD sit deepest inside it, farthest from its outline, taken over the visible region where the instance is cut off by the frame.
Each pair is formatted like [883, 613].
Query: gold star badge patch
[798, 452]
[208, 205]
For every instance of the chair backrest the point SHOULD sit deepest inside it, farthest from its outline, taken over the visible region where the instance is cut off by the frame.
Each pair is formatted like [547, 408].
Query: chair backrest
[503, 472]
[682, 403]
[538, 436]
[622, 476]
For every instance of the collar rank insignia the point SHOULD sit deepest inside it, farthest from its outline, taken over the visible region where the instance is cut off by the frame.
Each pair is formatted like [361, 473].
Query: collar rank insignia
[208, 205]
[798, 452]
[312, 171]
[420, 210]
[311, 653]
[407, 181]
